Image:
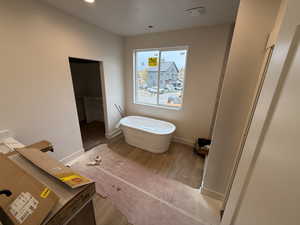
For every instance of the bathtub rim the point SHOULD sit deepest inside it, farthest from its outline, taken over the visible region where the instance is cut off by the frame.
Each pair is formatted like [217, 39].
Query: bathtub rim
[172, 130]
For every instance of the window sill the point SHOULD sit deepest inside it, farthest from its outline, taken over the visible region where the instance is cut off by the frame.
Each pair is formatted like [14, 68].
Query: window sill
[159, 106]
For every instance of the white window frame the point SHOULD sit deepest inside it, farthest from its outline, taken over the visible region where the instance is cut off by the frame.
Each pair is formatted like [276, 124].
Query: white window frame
[158, 105]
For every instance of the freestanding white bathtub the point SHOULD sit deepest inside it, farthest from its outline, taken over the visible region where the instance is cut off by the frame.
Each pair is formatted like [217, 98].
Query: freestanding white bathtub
[148, 134]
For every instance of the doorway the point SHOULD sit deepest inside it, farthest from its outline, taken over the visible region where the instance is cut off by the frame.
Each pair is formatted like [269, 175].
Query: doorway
[88, 91]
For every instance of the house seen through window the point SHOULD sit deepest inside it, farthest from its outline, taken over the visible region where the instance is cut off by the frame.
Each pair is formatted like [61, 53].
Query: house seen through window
[159, 76]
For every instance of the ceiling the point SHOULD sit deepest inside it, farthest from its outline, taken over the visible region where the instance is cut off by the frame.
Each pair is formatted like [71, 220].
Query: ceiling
[132, 17]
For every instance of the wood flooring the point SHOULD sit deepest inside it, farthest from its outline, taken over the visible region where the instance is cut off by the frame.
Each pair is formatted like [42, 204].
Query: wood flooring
[92, 134]
[179, 163]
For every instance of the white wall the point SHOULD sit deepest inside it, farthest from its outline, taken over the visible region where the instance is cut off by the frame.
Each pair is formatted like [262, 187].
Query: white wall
[207, 47]
[36, 94]
[270, 195]
[255, 21]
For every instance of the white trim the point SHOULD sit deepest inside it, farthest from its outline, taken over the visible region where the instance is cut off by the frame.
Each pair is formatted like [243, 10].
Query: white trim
[269, 99]
[171, 48]
[205, 169]
[72, 157]
[102, 85]
[158, 78]
[113, 134]
[160, 106]
[104, 94]
[183, 141]
[212, 194]
[246, 130]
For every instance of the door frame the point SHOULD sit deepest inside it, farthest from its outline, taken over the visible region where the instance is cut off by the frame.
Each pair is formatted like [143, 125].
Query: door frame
[103, 89]
[288, 33]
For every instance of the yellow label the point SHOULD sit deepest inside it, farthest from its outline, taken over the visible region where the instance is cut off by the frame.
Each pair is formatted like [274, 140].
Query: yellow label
[45, 193]
[73, 179]
[70, 177]
[152, 61]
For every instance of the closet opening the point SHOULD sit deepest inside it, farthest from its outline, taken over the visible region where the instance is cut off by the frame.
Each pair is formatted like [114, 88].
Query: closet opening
[89, 94]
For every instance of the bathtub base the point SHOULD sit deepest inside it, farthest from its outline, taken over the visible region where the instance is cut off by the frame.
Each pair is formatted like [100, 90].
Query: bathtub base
[150, 138]
[148, 142]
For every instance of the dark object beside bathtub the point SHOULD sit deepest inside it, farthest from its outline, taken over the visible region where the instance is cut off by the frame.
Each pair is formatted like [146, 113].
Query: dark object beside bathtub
[202, 147]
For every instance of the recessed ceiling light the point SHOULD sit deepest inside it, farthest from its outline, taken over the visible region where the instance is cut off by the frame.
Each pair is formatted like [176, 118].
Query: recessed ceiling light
[89, 1]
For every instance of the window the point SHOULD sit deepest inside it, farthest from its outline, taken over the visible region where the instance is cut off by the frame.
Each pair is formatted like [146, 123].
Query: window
[159, 76]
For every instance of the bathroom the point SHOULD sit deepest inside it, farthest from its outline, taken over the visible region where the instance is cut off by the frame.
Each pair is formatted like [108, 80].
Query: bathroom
[162, 81]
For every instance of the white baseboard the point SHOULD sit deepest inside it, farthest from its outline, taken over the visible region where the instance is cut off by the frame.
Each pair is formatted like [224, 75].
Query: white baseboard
[72, 157]
[113, 134]
[212, 194]
[183, 141]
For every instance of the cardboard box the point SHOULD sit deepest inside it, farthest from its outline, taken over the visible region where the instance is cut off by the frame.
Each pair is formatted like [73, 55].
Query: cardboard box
[54, 167]
[43, 146]
[23, 200]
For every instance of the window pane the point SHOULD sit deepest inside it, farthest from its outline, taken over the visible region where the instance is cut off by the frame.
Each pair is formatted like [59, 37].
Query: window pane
[146, 76]
[172, 71]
